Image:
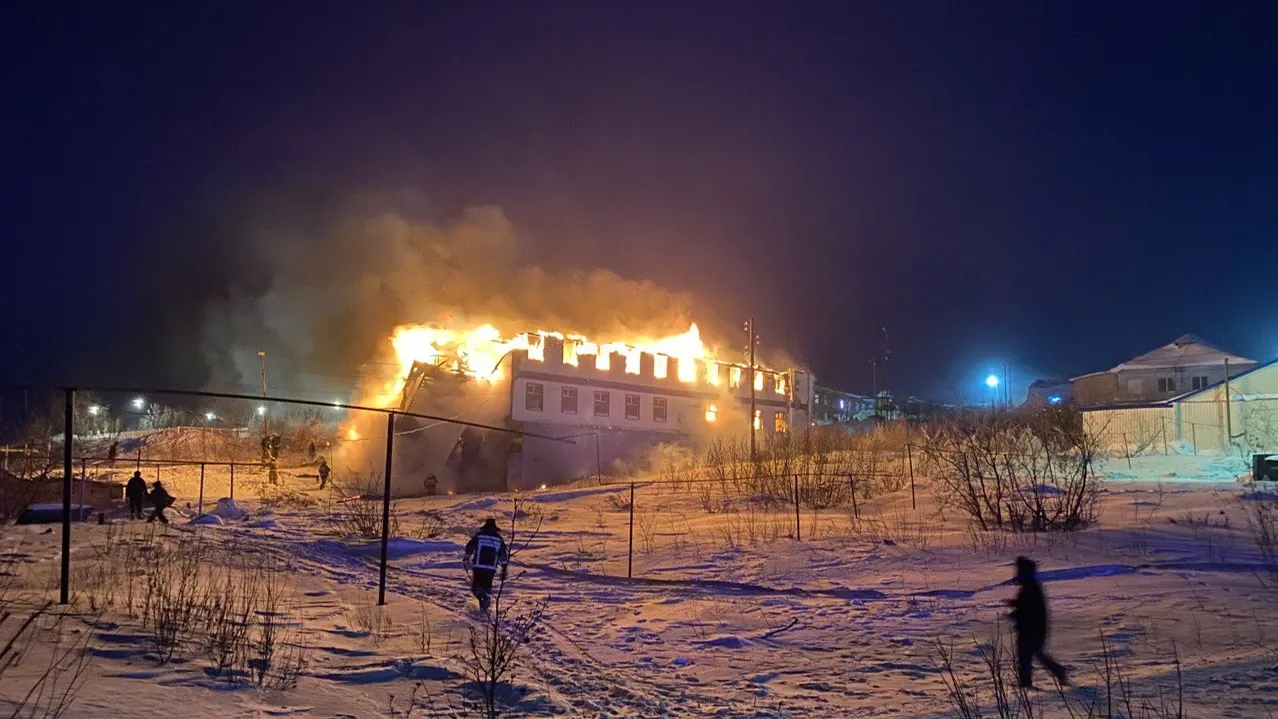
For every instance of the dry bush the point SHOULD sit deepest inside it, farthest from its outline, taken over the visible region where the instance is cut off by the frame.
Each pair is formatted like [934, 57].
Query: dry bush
[174, 594]
[281, 496]
[426, 524]
[371, 618]
[1026, 472]
[646, 523]
[27, 622]
[360, 515]
[993, 690]
[494, 648]
[1262, 522]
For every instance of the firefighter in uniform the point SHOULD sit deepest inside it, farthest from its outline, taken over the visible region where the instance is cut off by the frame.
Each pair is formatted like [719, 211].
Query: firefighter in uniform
[486, 554]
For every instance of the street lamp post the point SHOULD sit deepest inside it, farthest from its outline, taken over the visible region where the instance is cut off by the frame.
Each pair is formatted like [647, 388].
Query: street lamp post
[992, 382]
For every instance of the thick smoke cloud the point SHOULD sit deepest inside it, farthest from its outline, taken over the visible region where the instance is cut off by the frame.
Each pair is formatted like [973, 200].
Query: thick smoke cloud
[320, 285]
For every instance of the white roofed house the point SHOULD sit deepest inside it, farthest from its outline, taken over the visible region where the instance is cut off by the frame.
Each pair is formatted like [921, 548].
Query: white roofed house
[1188, 364]
[1185, 396]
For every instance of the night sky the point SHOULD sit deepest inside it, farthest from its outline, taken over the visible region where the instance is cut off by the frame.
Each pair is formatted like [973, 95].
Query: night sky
[1058, 185]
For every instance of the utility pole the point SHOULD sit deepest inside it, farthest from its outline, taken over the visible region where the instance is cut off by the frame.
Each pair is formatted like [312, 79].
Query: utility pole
[752, 339]
[265, 426]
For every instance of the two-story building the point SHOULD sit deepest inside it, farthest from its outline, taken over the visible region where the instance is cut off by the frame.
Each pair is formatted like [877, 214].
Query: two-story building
[606, 408]
[1186, 365]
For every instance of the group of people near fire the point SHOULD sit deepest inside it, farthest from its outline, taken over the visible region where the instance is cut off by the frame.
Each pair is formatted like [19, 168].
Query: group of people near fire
[138, 495]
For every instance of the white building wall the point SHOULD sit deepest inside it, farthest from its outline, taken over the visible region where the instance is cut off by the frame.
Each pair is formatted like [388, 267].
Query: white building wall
[1248, 422]
[1130, 430]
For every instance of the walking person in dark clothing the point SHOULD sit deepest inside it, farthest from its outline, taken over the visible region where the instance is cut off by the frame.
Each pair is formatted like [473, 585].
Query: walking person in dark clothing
[485, 555]
[323, 472]
[1032, 625]
[135, 492]
[161, 500]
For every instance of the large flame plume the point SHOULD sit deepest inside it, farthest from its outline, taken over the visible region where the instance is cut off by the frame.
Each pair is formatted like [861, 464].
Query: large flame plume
[481, 353]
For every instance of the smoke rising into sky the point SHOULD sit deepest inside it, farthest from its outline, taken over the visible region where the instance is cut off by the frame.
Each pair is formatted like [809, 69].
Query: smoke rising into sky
[334, 290]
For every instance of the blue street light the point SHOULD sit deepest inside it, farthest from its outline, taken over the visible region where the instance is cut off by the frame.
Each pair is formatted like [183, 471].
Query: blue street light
[991, 381]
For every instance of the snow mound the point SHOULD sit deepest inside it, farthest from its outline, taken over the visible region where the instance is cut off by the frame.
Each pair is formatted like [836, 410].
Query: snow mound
[265, 524]
[1048, 490]
[400, 547]
[481, 503]
[571, 494]
[726, 642]
[207, 520]
[227, 509]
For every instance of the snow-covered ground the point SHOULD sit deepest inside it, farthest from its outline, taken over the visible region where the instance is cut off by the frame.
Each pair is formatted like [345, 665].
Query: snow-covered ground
[727, 614]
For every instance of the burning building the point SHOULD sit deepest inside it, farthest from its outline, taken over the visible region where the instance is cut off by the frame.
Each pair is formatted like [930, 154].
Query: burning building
[611, 401]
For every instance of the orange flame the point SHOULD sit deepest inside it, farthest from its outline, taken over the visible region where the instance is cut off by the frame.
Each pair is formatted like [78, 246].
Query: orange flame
[480, 353]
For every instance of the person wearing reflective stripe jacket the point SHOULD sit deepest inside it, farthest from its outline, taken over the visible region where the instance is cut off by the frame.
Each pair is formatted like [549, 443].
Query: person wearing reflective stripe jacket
[485, 555]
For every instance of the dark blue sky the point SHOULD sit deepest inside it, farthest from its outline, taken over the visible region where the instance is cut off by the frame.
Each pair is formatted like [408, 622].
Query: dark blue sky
[1059, 184]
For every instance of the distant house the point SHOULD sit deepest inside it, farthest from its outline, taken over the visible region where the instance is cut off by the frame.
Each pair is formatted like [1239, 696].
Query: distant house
[1186, 365]
[1049, 393]
[1237, 416]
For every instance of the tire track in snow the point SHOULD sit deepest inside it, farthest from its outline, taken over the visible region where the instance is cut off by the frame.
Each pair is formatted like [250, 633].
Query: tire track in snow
[582, 682]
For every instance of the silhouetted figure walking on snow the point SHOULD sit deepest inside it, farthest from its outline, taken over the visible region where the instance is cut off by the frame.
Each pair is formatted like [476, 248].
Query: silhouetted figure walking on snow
[485, 554]
[323, 472]
[162, 500]
[1031, 624]
[135, 492]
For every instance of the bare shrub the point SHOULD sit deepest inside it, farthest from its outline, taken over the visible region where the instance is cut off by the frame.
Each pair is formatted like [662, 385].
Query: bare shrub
[494, 648]
[174, 595]
[369, 617]
[646, 523]
[278, 659]
[1021, 472]
[280, 496]
[993, 691]
[27, 622]
[1262, 522]
[360, 514]
[427, 524]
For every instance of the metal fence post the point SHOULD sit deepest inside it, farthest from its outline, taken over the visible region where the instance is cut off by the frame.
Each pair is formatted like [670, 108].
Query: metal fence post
[390, 448]
[199, 508]
[1127, 450]
[84, 478]
[1164, 423]
[909, 455]
[232, 481]
[856, 510]
[1193, 431]
[68, 432]
[798, 530]
[630, 548]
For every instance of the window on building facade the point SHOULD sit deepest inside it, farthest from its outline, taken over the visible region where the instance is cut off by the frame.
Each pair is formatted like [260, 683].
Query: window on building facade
[632, 406]
[1198, 382]
[1166, 384]
[758, 381]
[780, 384]
[734, 377]
[568, 400]
[660, 409]
[603, 403]
[1135, 386]
[758, 419]
[781, 423]
[712, 413]
[534, 396]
